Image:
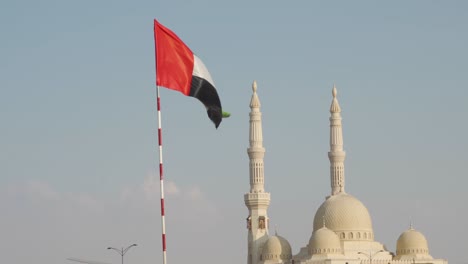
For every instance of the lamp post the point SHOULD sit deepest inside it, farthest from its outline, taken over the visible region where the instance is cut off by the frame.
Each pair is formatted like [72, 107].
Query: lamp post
[122, 251]
[370, 255]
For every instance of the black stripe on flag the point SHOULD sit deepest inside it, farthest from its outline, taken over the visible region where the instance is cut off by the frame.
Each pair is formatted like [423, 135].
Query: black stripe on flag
[204, 91]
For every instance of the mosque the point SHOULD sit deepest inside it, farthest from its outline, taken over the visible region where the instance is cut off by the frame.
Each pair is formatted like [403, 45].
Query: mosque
[342, 230]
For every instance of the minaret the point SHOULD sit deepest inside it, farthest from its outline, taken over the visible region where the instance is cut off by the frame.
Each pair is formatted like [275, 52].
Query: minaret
[336, 154]
[257, 200]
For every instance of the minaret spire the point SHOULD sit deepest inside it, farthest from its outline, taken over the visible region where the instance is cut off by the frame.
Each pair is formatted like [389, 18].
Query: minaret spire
[336, 154]
[256, 150]
[257, 200]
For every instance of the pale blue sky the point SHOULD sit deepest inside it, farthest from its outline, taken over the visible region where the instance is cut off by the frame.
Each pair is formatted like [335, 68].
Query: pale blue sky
[79, 154]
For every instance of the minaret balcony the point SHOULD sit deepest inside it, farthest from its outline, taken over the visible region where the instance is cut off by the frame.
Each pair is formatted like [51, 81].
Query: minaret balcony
[257, 199]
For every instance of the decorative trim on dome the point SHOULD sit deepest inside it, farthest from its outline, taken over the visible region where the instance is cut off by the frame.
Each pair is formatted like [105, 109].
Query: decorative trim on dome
[276, 248]
[346, 216]
[324, 241]
[412, 244]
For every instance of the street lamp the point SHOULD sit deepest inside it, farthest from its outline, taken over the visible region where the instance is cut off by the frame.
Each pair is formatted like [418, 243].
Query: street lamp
[122, 251]
[370, 255]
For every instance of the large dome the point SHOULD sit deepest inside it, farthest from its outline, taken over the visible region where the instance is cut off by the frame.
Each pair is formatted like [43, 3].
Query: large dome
[324, 241]
[276, 247]
[346, 216]
[412, 245]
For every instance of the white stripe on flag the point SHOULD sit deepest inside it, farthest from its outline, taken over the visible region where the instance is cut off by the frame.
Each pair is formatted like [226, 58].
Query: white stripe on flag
[200, 70]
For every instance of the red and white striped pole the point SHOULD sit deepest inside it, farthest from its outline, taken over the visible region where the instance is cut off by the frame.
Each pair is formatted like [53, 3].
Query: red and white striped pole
[161, 178]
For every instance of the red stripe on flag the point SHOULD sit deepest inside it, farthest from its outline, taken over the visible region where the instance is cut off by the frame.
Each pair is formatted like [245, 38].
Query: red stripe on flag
[174, 60]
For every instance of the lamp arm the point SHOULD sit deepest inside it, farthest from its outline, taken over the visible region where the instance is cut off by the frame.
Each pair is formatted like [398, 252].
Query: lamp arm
[118, 250]
[126, 249]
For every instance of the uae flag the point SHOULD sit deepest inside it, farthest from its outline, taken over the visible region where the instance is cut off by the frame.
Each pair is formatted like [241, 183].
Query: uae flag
[177, 68]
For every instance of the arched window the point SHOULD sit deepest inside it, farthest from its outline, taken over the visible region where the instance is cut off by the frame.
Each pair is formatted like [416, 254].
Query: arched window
[350, 235]
[342, 235]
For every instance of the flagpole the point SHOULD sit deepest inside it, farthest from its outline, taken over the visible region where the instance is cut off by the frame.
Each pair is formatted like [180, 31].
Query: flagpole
[161, 177]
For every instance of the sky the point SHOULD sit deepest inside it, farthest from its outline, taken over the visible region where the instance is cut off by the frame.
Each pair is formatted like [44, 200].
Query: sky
[78, 122]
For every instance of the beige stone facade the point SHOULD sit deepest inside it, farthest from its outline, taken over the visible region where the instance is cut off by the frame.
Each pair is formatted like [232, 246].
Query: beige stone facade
[342, 230]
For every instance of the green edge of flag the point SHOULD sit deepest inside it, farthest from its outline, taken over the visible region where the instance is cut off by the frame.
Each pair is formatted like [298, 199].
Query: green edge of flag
[226, 114]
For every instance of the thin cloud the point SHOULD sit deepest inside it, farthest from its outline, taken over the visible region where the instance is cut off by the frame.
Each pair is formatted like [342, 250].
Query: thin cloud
[171, 188]
[87, 201]
[194, 193]
[33, 189]
[87, 223]
[151, 188]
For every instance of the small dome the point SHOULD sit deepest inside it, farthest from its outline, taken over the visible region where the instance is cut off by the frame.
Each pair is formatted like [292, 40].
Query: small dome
[346, 216]
[412, 242]
[324, 241]
[276, 247]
